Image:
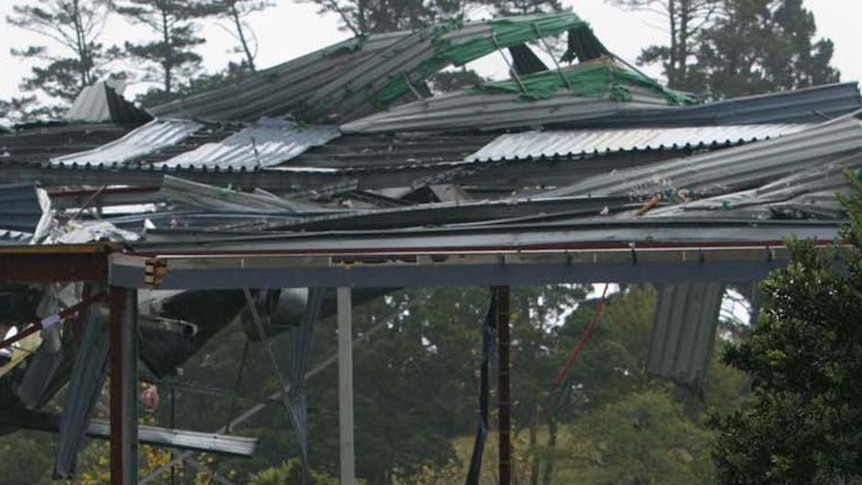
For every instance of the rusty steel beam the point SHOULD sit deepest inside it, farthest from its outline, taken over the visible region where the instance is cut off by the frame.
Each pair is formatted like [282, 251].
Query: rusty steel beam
[504, 401]
[72, 262]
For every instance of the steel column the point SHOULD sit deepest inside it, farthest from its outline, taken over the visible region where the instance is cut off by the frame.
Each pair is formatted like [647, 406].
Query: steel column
[345, 385]
[124, 386]
[503, 384]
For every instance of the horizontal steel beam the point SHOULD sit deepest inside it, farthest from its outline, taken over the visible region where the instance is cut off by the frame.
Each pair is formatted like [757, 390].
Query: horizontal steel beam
[78, 262]
[657, 265]
[151, 435]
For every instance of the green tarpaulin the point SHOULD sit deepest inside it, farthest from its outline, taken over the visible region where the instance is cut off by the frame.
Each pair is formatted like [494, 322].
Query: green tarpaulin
[600, 79]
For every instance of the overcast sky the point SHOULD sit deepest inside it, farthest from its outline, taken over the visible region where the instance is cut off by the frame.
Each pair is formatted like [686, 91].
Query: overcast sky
[291, 29]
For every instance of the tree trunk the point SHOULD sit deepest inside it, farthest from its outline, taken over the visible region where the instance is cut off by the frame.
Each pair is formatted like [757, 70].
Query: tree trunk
[81, 44]
[168, 63]
[234, 13]
[682, 55]
[671, 64]
[548, 474]
[535, 463]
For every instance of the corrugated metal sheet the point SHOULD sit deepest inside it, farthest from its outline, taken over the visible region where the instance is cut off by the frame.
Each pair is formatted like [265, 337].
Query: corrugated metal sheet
[733, 169]
[99, 102]
[149, 138]
[809, 105]
[684, 332]
[468, 110]
[264, 144]
[576, 143]
[283, 89]
[85, 385]
[20, 208]
[14, 238]
[805, 194]
[215, 198]
[37, 143]
[526, 235]
[344, 82]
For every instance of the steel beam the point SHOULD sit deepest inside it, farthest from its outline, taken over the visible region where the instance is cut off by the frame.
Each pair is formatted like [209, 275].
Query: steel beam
[345, 386]
[124, 386]
[74, 262]
[655, 265]
[228, 445]
[504, 400]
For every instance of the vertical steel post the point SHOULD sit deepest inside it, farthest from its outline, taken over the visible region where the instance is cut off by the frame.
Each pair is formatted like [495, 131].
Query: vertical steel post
[345, 385]
[123, 304]
[115, 307]
[503, 384]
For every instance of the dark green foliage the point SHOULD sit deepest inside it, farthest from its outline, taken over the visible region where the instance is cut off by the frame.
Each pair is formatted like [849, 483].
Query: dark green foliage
[805, 360]
[760, 46]
[27, 109]
[76, 27]
[26, 458]
[290, 473]
[376, 16]
[169, 60]
[729, 48]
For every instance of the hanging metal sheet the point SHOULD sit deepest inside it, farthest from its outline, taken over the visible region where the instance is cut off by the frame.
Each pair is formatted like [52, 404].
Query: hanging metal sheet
[684, 333]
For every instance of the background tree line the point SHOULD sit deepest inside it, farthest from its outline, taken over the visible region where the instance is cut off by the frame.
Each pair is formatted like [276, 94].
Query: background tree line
[714, 48]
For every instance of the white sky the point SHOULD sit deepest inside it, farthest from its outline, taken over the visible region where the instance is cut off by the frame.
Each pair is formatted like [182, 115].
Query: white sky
[291, 29]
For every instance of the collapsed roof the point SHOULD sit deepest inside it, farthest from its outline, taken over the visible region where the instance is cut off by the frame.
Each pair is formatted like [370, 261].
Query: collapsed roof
[346, 149]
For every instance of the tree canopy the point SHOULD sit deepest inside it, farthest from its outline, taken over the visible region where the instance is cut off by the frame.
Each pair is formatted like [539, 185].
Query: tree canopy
[804, 357]
[729, 48]
[76, 27]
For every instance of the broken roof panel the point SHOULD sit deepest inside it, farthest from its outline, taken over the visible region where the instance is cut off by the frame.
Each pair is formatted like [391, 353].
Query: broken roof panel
[684, 332]
[471, 110]
[38, 142]
[99, 103]
[733, 169]
[149, 138]
[360, 76]
[809, 105]
[264, 144]
[22, 209]
[577, 143]
[467, 110]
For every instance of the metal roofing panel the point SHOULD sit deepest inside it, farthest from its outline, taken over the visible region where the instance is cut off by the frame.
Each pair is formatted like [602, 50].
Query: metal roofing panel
[20, 207]
[733, 169]
[264, 144]
[684, 332]
[149, 138]
[467, 110]
[360, 76]
[525, 236]
[37, 143]
[810, 105]
[574, 143]
[99, 102]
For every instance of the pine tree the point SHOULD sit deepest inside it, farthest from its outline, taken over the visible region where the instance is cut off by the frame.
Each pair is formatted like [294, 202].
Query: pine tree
[684, 20]
[761, 46]
[76, 27]
[235, 11]
[170, 60]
